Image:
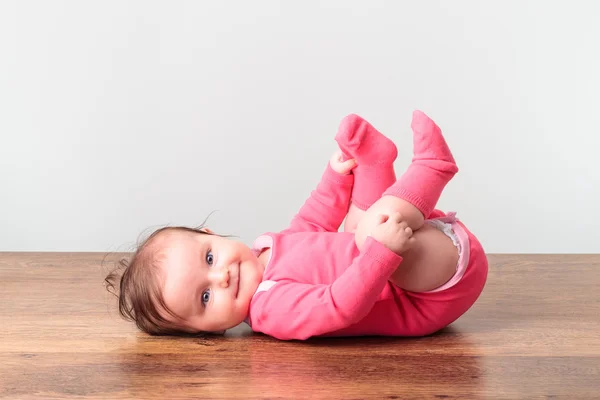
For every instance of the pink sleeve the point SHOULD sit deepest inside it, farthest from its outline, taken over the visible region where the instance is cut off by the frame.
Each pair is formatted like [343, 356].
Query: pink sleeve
[327, 205]
[291, 310]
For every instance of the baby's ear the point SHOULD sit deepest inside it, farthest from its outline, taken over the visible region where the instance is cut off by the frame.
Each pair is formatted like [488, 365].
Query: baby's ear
[207, 231]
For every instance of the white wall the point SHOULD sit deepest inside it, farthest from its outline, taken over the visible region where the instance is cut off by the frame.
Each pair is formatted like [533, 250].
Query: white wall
[120, 116]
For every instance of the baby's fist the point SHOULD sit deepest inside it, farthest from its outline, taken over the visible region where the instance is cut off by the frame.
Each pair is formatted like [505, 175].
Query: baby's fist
[394, 233]
[339, 166]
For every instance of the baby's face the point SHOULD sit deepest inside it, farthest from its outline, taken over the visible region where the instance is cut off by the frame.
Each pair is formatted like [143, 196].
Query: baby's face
[208, 280]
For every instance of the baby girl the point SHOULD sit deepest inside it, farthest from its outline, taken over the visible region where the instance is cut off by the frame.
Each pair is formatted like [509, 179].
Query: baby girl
[399, 268]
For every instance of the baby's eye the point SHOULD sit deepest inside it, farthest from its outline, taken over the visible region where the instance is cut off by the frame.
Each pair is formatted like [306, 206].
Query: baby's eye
[205, 297]
[209, 258]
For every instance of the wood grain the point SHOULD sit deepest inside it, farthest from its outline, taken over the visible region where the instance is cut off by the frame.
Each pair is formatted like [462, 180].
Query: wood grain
[535, 333]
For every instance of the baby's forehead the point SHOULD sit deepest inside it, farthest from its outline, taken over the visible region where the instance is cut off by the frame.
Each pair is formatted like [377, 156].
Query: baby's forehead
[171, 237]
[176, 247]
[177, 243]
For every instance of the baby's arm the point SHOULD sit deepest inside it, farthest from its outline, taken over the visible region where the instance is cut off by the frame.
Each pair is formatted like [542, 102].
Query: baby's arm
[327, 205]
[291, 310]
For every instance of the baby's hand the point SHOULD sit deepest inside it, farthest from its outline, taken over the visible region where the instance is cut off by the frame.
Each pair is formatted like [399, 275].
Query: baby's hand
[393, 233]
[339, 166]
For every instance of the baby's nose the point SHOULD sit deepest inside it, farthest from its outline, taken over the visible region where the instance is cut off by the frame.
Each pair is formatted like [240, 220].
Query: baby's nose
[221, 276]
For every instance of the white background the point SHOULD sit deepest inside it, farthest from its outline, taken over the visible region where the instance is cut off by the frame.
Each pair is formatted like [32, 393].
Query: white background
[117, 117]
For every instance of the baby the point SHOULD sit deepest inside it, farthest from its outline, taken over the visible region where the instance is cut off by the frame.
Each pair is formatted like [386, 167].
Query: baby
[399, 268]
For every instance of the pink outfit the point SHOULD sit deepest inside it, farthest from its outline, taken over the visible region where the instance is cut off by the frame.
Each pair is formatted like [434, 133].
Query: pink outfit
[431, 169]
[375, 155]
[317, 282]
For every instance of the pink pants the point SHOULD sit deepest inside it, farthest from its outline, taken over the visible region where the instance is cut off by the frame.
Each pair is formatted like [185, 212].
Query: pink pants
[436, 309]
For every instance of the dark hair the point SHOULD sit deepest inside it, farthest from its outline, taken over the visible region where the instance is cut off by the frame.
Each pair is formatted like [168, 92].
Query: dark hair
[139, 295]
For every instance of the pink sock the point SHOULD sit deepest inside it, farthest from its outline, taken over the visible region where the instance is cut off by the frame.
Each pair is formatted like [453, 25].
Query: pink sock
[432, 167]
[375, 155]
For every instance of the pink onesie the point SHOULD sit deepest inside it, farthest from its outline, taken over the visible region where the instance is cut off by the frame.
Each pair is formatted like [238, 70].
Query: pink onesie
[317, 282]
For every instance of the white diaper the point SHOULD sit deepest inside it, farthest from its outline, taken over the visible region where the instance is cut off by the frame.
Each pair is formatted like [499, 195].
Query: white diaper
[450, 227]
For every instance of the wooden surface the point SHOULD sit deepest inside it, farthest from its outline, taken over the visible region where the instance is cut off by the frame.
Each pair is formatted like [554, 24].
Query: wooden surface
[535, 333]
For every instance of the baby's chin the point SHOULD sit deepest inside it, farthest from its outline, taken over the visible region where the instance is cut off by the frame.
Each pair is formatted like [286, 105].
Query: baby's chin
[252, 278]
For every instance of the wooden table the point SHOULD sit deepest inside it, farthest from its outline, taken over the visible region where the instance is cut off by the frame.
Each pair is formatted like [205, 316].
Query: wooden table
[535, 333]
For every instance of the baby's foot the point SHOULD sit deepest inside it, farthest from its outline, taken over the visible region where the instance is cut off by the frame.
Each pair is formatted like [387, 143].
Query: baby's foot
[358, 139]
[429, 143]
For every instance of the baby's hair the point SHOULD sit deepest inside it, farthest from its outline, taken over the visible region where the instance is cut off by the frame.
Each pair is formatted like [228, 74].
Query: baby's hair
[139, 288]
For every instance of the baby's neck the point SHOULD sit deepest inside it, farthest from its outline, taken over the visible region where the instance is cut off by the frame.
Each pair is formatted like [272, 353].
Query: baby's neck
[263, 257]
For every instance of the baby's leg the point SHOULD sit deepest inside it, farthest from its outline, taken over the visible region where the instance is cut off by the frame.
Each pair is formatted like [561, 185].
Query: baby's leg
[375, 155]
[433, 258]
[429, 263]
[353, 217]
[417, 191]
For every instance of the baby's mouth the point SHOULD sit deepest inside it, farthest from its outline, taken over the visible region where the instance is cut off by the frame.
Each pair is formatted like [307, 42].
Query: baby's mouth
[237, 287]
